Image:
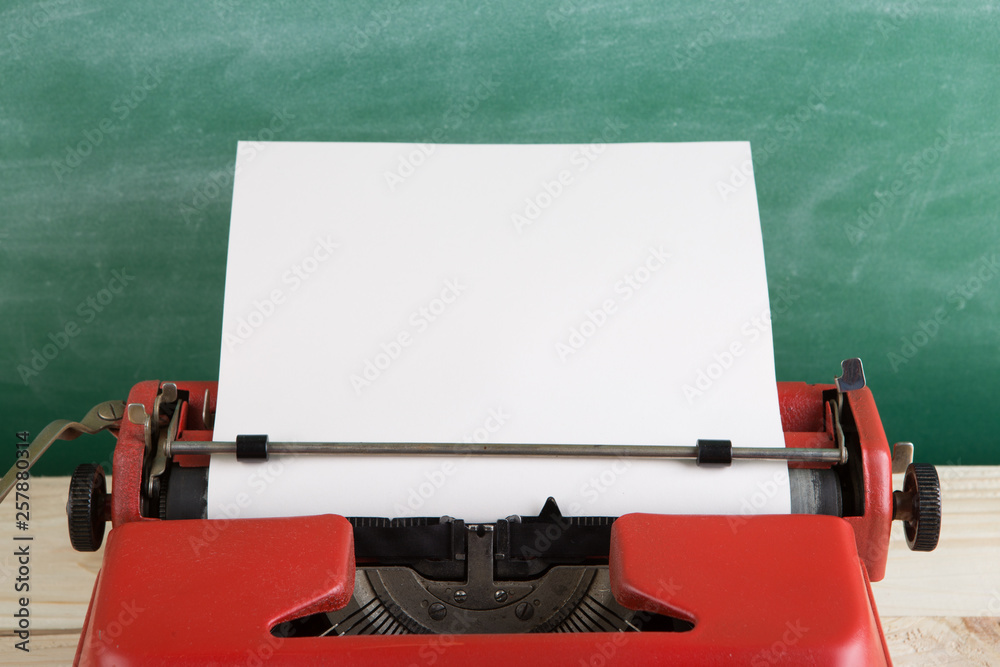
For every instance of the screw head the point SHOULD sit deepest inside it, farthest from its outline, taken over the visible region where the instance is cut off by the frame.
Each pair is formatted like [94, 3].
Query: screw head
[500, 596]
[437, 611]
[524, 611]
[460, 596]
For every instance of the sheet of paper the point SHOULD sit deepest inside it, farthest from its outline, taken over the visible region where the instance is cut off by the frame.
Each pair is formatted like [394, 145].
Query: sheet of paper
[521, 294]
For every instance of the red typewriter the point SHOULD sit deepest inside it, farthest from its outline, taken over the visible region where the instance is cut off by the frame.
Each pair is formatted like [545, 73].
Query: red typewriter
[177, 588]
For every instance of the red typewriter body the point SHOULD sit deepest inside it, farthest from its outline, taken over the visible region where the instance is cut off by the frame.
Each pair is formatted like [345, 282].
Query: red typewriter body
[753, 590]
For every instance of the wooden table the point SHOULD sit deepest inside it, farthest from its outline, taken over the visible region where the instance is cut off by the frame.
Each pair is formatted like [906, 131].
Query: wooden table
[941, 608]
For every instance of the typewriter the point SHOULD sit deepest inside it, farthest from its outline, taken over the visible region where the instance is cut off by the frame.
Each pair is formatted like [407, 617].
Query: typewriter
[645, 589]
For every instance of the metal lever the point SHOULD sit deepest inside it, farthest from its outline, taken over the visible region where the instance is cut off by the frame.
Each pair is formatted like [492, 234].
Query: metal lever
[902, 456]
[107, 415]
[852, 375]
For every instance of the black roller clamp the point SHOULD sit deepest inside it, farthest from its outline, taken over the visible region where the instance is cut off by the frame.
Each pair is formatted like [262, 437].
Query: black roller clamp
[251, 448]
[86, 507]
[918, 506]
[715, 452]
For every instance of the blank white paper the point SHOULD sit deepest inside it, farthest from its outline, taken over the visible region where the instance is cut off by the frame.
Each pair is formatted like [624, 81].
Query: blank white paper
[602, 294]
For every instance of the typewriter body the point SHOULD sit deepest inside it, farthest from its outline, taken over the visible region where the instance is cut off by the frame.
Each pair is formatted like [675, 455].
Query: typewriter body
[645, 589]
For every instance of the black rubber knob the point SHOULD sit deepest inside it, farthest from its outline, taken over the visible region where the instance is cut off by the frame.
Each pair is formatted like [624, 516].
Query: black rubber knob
[923, 528]
[86, 507]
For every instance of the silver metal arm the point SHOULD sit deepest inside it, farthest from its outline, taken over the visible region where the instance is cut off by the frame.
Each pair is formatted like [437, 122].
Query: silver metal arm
[103, 416]
[828, 455]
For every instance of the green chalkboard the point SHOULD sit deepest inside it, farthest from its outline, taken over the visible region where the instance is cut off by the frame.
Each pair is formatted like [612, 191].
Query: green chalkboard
[874, 128]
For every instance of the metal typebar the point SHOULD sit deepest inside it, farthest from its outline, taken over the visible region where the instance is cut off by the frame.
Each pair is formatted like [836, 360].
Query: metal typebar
[825, 455]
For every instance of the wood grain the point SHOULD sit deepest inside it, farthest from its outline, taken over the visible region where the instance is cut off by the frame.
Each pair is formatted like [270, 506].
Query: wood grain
[941, 608]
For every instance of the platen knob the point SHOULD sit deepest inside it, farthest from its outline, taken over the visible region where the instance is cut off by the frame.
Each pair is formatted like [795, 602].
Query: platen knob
[918, 506]
[86, 507]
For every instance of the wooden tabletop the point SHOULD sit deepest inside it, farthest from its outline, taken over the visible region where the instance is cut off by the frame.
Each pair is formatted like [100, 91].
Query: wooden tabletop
[940, 608]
